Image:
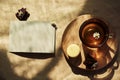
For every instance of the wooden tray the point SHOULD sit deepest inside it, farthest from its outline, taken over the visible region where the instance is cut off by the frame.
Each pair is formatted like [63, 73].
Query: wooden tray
[104, 55]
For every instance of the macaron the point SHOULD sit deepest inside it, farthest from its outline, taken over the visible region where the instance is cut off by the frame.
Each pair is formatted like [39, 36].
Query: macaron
[73, 50]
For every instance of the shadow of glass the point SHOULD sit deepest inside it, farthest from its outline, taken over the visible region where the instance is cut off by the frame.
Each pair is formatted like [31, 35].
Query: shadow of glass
[109, 74]
[87, 72]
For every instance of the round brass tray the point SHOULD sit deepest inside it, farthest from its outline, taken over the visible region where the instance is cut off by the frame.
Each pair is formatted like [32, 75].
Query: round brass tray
[104, 55]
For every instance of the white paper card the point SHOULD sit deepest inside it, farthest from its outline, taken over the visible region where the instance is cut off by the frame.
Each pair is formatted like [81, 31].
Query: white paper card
[32, 36]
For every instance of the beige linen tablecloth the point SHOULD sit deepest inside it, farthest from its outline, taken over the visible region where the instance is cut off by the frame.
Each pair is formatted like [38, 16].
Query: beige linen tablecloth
[60, 12]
